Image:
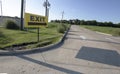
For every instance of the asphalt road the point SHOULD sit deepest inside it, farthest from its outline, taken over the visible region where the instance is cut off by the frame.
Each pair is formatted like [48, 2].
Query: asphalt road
[83, 52]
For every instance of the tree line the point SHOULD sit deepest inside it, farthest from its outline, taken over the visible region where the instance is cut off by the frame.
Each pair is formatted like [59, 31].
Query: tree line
[90, 22]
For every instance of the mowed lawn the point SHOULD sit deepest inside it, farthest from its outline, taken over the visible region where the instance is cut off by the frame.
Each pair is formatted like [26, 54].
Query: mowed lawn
[15, 37]
[108, 30]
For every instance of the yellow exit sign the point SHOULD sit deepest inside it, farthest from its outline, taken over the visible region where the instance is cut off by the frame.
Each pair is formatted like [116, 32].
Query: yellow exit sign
[34, 20]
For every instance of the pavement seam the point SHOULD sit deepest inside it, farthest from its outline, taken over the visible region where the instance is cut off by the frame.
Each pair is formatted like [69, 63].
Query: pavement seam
[80, 65]
[43, 58]
[73, 49]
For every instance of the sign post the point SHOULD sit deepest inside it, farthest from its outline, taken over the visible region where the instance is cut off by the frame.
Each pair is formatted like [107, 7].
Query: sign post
[38, 34]
[35, 21]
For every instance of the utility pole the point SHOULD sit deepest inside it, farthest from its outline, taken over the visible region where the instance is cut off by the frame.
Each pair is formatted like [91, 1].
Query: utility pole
[1, 7]
[62, 17]
[46, 8]
[1, 12]
[22, 13]
[47, 5]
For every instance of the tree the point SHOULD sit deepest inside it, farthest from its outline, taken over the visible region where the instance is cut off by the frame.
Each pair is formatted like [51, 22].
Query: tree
[100, 23]
[82, 22]
[118, 25]
[94, 22]
[71, 21]
[77, 22]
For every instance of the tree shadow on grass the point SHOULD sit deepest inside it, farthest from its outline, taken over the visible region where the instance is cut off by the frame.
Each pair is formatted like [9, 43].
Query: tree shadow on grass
[104, 56]
[48, 65]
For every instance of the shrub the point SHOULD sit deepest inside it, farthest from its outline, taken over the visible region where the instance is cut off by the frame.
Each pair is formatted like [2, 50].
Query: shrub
[61, 28]
[65, 26]
[116, 33]
[1, 34]
[11, 25]
[52, 25]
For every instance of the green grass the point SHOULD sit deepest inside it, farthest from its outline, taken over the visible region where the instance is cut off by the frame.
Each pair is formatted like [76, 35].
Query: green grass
[48, 36]
[108, 30]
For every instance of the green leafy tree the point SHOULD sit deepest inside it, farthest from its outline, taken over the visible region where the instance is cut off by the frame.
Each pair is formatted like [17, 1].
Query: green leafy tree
[11, 25]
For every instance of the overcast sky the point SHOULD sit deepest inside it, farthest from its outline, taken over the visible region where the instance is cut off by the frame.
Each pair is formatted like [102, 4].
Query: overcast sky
[100, 10]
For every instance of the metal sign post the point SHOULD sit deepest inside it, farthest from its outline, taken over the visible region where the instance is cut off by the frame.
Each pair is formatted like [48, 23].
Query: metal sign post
[38, 34]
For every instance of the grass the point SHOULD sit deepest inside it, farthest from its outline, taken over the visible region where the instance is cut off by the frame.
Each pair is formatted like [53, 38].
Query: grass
[48, 36]
[108, 30]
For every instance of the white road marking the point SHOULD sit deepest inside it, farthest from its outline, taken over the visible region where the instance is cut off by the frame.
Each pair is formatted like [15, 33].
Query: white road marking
[3, 73]
[103, 33]
[109, 39]
[83, 37]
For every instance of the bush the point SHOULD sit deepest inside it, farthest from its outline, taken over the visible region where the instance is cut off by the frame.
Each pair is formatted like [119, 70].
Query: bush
[61, 28]
[11, 25]
[1, 34]
[116, 33]
[51, 25]
[66, 26]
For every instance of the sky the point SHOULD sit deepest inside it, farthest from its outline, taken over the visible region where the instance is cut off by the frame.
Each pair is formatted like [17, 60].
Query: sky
[100, 10]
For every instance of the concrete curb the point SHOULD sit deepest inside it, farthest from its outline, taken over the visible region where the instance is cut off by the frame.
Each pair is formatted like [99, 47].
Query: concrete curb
[36, 50]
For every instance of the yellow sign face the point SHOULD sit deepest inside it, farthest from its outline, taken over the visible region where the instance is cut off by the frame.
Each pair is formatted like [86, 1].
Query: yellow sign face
[33, 20]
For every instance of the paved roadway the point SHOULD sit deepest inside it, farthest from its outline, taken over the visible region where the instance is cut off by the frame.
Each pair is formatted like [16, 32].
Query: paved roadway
[83, 52]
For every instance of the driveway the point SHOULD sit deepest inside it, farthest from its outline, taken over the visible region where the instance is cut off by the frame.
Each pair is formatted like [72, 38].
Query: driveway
[83, 52]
